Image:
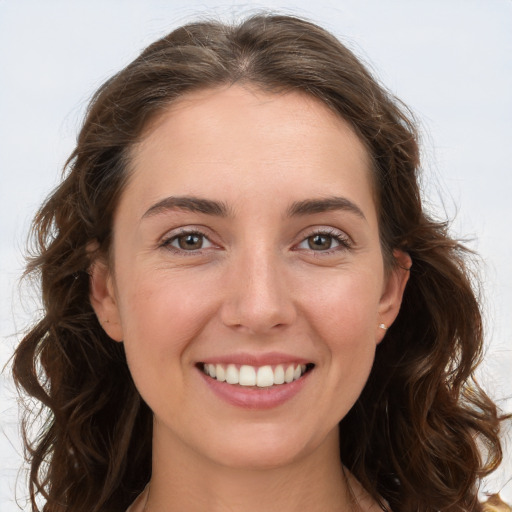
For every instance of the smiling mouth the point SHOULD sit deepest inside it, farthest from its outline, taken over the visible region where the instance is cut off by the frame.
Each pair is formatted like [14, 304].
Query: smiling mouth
[256, 376]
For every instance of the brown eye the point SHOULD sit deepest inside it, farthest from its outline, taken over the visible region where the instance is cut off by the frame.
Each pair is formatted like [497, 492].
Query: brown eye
[320, 242]
[190, 242]
[327, 241]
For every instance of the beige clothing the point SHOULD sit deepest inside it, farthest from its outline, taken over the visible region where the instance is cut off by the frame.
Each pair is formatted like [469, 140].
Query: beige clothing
[493, 504]
[360, 494]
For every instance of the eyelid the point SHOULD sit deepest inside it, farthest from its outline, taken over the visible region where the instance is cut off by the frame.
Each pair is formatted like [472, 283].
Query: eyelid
[343, 240]
[167, 239]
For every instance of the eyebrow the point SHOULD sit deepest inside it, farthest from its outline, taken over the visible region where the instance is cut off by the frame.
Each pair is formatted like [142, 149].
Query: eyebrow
[191, 204]
[312, 206]
[217, 208]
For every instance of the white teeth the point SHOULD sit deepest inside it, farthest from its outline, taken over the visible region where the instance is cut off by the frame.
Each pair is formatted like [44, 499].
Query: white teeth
[221, 373]
[247, 376]
[265, 377]
[232, 374]
[250, 376]
[279, 374]
[288, 374]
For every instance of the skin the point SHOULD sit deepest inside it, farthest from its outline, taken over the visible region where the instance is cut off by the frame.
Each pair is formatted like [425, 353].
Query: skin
[258, 284]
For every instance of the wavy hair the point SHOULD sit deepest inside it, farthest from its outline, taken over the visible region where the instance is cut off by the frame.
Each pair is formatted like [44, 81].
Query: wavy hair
[421, 435]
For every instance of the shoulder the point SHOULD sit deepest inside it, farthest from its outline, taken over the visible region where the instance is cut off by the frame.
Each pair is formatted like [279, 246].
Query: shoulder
[138, 504]
[363, 500]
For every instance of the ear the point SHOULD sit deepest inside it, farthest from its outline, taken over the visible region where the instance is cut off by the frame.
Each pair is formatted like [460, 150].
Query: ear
[103, 299]
[391, 299]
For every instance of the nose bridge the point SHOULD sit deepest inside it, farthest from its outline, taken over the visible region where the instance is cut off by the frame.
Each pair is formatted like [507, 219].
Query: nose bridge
[257, 296]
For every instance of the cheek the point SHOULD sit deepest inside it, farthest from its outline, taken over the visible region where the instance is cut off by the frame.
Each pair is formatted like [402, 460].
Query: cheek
[343, 319]
[159, 306]
[345, 308]
[159, 320]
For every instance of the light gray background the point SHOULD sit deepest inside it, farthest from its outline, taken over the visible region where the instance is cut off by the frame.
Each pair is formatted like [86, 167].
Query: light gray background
[450, 60]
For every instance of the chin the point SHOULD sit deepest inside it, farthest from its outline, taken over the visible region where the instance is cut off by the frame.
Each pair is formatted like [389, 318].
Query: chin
[256, 458]
[261, 447]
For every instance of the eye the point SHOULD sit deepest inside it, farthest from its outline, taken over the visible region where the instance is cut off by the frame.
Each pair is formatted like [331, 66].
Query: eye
[321, 242]
[188, 241]
[324, 241]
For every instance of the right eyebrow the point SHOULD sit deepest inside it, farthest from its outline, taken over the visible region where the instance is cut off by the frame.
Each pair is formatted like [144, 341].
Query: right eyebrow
[312, 206]
[189, 203]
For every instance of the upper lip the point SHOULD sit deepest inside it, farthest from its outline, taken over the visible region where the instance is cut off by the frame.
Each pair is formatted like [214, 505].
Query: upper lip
[263, 359]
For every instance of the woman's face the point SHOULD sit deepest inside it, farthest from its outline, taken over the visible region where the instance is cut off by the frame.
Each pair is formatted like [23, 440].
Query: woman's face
[246, 243]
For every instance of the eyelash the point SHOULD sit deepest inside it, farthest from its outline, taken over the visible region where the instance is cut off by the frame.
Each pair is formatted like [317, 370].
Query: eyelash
[344, 242]
[167, 242]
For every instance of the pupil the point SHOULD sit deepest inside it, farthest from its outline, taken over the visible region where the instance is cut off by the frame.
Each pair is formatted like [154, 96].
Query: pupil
[190, 242]
[321, 242]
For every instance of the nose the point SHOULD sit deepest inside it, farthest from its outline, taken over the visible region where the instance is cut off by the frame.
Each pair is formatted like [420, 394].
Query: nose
[258, 298]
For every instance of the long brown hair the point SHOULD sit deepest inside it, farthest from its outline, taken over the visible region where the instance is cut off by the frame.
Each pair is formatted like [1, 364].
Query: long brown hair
[422, 433]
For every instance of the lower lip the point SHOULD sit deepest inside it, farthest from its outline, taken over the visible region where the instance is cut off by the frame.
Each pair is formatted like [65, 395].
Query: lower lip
[252, 398]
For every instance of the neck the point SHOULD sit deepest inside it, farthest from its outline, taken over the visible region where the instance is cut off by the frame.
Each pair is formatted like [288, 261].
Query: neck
[184, 480]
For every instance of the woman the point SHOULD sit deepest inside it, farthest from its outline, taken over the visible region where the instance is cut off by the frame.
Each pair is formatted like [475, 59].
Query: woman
[246, 306]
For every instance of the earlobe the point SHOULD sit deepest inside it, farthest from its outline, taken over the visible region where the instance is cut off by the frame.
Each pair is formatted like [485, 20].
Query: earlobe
[103, 299]
[392, 295]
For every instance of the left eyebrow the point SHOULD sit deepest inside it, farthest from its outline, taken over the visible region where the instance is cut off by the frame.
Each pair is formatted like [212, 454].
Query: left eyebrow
[312, 206]
[189, 203]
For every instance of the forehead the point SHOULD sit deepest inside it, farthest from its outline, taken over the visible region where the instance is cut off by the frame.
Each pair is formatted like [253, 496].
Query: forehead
[247, 106]
[238, 139]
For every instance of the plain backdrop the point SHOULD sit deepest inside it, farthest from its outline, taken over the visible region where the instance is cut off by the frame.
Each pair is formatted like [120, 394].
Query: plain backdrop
[449, 60]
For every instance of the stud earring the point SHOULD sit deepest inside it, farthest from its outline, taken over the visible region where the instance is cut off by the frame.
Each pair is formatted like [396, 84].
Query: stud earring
[383, 326]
